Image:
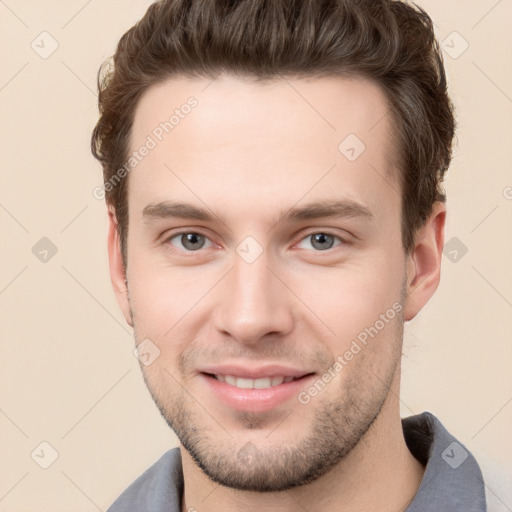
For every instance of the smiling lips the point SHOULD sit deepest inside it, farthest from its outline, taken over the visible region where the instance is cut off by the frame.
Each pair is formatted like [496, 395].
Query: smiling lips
[261, 383]
[254, 389]
[247, 377]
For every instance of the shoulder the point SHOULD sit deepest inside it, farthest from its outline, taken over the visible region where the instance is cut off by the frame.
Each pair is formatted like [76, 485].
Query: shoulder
[453, 480]
[158, 489]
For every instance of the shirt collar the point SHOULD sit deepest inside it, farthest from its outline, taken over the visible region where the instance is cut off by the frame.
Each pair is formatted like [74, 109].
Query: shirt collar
[452, 480]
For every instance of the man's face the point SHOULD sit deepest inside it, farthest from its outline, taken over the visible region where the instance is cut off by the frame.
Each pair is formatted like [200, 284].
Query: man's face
[254, 286]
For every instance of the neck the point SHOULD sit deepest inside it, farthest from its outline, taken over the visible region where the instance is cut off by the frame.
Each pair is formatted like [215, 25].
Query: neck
[380, 473]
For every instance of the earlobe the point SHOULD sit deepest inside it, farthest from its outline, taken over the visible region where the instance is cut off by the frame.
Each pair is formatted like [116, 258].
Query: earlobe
[424, 262]
[117, 270]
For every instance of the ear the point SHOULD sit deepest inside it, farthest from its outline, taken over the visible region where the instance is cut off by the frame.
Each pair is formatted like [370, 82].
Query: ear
[424, 262]
[117, 270]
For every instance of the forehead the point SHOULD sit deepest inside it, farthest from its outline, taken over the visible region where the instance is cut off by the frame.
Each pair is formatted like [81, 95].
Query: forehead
[326, 105]
[276, 138]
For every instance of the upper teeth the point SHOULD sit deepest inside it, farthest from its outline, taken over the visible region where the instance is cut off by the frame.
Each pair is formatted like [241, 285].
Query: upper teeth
[244, 383]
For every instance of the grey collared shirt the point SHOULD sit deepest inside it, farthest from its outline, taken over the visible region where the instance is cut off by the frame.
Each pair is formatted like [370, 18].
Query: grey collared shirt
[452, 481]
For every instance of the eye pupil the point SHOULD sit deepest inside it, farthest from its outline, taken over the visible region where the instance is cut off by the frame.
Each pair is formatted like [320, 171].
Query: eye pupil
[190, 241]
[325, 241]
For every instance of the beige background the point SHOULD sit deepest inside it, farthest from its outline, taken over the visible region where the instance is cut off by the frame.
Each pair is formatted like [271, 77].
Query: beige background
[68, 375]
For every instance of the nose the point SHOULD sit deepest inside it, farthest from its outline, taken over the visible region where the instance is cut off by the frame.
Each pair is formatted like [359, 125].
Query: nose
[255, 302]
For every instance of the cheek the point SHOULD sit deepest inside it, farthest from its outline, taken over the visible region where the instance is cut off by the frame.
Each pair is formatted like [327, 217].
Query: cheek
[349, 299]
[161, 296]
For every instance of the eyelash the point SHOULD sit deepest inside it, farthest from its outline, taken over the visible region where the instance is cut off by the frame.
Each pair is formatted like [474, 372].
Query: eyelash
[309, 235]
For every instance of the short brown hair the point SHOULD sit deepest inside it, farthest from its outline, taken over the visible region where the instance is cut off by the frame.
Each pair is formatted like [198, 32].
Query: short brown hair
[387, 41]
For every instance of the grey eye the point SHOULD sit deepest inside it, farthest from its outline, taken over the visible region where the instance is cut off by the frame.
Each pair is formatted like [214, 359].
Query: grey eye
[320, 241]
[190, 241]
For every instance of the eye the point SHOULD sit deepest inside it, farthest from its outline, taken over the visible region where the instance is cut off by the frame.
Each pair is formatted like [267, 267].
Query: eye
[321, 241]
[189, 240]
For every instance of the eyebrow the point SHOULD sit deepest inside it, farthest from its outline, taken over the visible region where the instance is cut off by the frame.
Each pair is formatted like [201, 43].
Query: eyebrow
[321, 209]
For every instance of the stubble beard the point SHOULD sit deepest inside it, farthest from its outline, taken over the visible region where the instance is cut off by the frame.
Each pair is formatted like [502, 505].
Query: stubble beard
[339, 424]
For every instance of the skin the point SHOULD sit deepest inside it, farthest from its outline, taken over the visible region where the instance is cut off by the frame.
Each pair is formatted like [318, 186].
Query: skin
[249, 152]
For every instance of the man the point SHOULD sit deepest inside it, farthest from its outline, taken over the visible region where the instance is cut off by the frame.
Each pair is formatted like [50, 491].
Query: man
[273, 176]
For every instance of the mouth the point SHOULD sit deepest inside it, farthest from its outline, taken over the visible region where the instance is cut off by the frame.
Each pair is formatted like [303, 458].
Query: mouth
[260, 383]
[254, 395]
